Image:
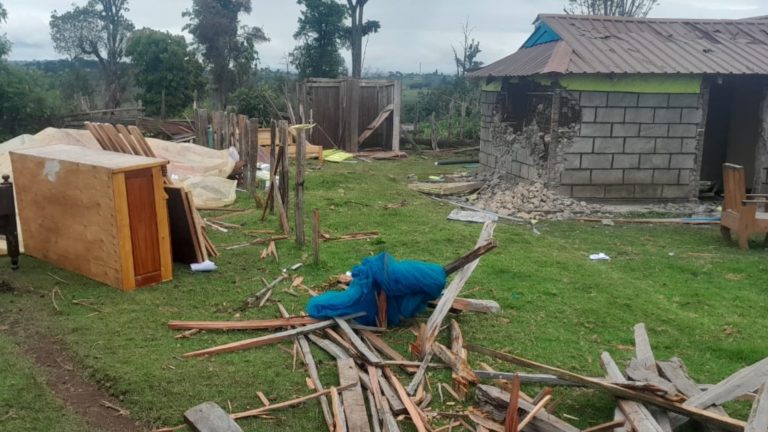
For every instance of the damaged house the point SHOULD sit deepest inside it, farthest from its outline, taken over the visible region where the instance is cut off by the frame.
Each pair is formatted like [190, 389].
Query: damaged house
[629, 108]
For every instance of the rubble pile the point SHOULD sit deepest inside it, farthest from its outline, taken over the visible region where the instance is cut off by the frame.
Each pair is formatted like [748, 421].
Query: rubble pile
[530, 201]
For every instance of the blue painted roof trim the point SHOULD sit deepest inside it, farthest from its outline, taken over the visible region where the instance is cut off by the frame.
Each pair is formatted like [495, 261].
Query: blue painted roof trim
[543, 34]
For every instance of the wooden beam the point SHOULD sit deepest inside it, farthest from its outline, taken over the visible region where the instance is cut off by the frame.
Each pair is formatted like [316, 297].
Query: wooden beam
[381, 346]
[758, 417]
[268, 339]
[417, 417]
[636, 413]
[472, 255]
[511, 420]
[242, 325]
[696, 413]
[359, 345]
[301, 146]
[544, 421]
[354, 404]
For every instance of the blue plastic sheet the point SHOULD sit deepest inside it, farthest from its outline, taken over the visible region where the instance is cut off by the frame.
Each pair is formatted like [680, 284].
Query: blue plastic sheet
[408, 284]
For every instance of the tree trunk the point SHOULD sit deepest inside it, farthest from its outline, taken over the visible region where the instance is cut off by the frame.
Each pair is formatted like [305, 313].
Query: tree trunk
[356, 13]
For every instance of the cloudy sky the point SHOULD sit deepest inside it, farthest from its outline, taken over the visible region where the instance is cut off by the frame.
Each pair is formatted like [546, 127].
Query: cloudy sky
[415, 34]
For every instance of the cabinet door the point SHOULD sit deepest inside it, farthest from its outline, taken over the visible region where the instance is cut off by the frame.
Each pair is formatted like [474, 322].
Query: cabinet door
[142, 216]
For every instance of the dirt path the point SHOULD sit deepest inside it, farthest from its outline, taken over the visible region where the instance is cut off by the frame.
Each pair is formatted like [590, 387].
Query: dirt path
[69, 385]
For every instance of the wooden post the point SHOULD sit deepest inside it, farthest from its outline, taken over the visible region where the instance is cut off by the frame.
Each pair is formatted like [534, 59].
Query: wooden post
[253, 149]
[202, 127]
[300, 188]
[434, 132]
[272, 160]
[284, 166]
[353, 115]
[316, 236]
[396, 116]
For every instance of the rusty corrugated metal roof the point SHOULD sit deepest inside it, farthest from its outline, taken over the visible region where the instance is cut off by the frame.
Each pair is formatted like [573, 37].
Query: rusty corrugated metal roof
[599, 44]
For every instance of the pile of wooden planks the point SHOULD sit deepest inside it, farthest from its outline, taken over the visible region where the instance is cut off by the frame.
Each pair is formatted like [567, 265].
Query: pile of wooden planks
[189, 242]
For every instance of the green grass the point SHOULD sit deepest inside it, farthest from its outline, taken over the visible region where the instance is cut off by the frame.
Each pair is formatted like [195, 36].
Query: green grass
[702, 300]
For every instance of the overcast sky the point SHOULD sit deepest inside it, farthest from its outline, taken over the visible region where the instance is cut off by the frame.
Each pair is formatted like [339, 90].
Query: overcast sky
[415, 34]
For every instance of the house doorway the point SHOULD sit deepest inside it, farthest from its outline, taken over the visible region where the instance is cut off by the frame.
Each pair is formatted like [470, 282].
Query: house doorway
[733, 125]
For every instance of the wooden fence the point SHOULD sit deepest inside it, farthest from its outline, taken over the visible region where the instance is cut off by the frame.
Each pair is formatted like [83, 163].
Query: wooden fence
[353, 114]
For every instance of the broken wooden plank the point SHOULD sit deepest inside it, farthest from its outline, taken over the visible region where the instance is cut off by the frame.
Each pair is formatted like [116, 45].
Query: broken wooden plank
[209, 417]
[741, 382]
[674, 371]
[354, 404]
[417, 417]
[611, 425]
[267, 324]
[484, 422]
[621, 392]
[511, 419]
[268, 339]
[472, 305]
[531, 415]
[758, 417]
[462, 375]
[286, 404]
[636, 413]
[419, 376]
[543, 421]
[359, 345]
[642, 367]
[384, 348]
[375, 123]
[450, 294]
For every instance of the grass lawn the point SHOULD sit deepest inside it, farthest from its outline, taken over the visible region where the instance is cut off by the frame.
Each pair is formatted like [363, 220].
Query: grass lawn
[702, 300]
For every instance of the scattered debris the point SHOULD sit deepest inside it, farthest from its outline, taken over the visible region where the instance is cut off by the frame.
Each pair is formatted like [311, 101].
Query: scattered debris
[472, 216]
[453, 188]
[600, 256]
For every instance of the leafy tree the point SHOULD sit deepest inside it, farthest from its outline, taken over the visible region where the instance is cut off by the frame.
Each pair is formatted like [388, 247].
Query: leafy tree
[28, 101]
[227, 47]
[5, 44]
[98, 30]
[357, 30]
[258, 101]
[470, 48]
[166, 71]
[627, 8]
[321, 32]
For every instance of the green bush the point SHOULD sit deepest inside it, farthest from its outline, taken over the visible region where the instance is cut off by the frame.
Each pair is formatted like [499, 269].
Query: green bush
[29, 101]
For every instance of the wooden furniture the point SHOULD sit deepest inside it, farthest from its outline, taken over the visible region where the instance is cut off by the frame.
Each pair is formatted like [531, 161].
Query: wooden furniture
[740, 210]
[98, 213]
[8, 221]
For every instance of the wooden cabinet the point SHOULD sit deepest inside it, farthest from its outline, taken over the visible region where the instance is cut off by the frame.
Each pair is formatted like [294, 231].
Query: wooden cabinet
[98, 213]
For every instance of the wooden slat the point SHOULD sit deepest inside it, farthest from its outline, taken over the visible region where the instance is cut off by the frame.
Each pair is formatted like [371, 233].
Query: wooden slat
[543, 421]
[359, 345]
[698, 414]
[674, 371]
[741, 382]
[758, 417]
[242, 325]
[636, 413]
[416, 415]
[266, 340]
[381, 346]
[354, 404]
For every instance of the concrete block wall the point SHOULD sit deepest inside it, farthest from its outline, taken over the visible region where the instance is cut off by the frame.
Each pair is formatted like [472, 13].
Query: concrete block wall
[632, 146]
[488, 155]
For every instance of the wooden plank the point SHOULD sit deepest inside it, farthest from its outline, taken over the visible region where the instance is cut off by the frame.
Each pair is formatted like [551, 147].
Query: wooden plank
[473, 255]
[286, 404]
[375, 123]
[511, 420]
[299, 200]
[354, 404]
[472, 305]
[197, 226]
[462, 375]
[674, 371]
[643, 368]
[184, 240]
[451, 292]
[242, 325]
[268, 339]
[536, 409]
[611, 425]
[209, 417]
[696, 413]
[741, 382]
[543, 421]
[396, 98]
[636, 413]
[359, 345]
[758, 417]
[381, 346]
[417, 417]
[419, 376]
[127, 276]
[284, 169]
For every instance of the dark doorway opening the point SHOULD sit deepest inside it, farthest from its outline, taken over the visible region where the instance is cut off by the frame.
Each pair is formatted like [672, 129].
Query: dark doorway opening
[732, 129]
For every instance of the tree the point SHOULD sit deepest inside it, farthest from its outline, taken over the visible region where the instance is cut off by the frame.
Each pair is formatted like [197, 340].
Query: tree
[5, 44]
[470, 48]
[357, 30]
[166, 71]
[260, 101]
[227, 47]
[28, 101]
[98, 30]
[627, 8]
[321, 32]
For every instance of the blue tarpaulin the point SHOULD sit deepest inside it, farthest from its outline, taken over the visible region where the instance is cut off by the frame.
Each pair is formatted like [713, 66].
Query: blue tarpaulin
[408, 284]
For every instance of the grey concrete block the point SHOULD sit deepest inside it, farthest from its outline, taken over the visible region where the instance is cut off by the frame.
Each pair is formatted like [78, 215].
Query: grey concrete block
[611, 176]
[588, 115]
[622, 99]
[626, 161]
[572, 161]
[483, 157]
[676, 191]
[516, 168]
[684, 100]
[683, 161]
[575, 177]
[665, 176]
[595, 129]
[667, 115]
[639, 145]
[580, 145]
[588, 191]
[668, 145]
[653, 100]
[593, 99]
[654, 130]
[691, 115]
[648, 191]
[610, 115]
[638, 176]
[620, 191]
[682, 130]
[639, 115]
[689, 145]
[596, 161]
[625, 129]
[564, 190]
[654, 161]
[609, 145]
